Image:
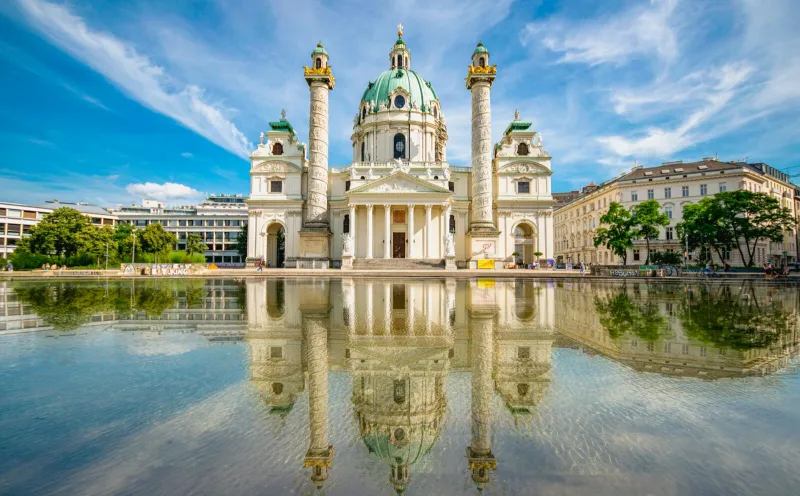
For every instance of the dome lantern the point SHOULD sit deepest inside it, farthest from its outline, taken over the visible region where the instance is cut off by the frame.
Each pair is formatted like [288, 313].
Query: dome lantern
[480, 57]
[319, 57]
[400, 56]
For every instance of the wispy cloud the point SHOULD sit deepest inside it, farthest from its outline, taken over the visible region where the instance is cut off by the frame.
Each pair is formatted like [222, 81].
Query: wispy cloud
[135, 74]
[165, 192]
[186, 155]
[641, 31]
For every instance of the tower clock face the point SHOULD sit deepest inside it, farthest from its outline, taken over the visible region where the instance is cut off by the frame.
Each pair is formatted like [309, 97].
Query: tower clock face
[399, 101]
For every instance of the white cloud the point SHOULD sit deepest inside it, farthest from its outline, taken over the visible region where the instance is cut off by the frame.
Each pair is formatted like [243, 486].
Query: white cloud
[637, 32]
[135, 74]
[186, 155]
[712, 92]
[165, 192]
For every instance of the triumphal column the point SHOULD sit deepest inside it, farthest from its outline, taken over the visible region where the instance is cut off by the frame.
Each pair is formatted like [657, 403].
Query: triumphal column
[483, 233]
[315, 234]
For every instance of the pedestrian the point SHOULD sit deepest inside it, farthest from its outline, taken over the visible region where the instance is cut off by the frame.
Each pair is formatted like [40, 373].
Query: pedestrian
[9, 267]
[260, 266]
[725, 266]
[583, 268]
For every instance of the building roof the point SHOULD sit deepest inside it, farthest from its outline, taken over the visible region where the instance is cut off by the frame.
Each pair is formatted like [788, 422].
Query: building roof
[421, 91]
[282, 125]
[319, 49]
[480, 49]
[84, 208]
[518, 126]
[677, 168]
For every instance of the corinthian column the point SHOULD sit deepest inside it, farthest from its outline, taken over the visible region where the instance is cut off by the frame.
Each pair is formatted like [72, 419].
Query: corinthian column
[315, 321]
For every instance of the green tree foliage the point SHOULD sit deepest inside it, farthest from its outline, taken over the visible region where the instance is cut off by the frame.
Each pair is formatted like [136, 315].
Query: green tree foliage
[646, 218]
[194, 244]
[96, 241]
[241, 242]
[620, 315]
[157, 241]
[123, 235]
[667, 257]
[618, 236]
[58, 233]
[735, 220]
[732, 317]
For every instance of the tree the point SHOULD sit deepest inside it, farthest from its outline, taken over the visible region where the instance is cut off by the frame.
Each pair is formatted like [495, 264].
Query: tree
[157, 241]
[537, 254]
[646, 218]
[241, 242]
[58, 233]
[97, 241]
[194, 244]
[736, 219]
[123, 236]
[618, 236]
[620, 315]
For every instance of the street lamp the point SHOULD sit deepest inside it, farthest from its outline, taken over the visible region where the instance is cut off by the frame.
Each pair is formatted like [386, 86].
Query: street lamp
[133, 252]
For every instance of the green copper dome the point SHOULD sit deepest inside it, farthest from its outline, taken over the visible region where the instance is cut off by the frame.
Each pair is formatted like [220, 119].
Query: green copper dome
[421, 91]
[480, 49]
[319, 49]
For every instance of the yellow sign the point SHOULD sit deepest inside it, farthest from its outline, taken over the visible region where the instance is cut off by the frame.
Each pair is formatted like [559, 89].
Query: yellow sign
[485, 283]
[212, 266]
[486, 264]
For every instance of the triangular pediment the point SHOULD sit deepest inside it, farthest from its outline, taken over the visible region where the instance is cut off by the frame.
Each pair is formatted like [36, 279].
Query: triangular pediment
[400, 182]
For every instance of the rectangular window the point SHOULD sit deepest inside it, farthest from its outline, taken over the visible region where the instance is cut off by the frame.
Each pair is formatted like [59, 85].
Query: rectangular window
[668, 211]
[276, 186]
[451, 186]
[523, 352]
[685, 349]
[14, 214]
[703, 189]
[182, 223]
[523, 187]
[667, 347]
[3, 212]
[667, 192]
[636, 254]
[209, 223]
[723, 187]
[634, 196]
[219, 223]
[27, 214]
[650, 194]
[703, 351]
[726, 254]
[651, 346]
[275, 352]
[684, 191]
[669, 233]
[347, 185]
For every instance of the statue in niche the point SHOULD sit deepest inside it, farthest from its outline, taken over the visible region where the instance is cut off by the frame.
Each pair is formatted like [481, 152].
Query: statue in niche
[353, 173]
[347, 244]
[449, 245]
[447, 173]
[538, 140]
[382, 106]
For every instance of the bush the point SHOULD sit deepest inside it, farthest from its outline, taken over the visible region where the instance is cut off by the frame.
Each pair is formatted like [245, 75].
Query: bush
[24, 260]
[666, 258]
[182, 257]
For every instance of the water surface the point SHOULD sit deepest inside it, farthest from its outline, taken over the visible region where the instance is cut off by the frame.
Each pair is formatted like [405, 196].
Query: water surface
[359, 386]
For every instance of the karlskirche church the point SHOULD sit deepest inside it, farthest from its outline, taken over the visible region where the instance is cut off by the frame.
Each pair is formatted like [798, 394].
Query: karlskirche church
[399, 203]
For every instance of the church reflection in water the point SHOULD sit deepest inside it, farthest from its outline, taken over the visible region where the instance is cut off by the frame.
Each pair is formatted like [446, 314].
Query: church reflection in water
[399, 341]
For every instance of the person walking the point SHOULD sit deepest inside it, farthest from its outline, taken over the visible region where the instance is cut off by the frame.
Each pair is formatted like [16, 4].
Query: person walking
[583, 268]
[260, 266]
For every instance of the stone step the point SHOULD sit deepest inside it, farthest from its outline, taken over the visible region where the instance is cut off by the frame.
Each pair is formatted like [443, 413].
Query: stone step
[398, 264]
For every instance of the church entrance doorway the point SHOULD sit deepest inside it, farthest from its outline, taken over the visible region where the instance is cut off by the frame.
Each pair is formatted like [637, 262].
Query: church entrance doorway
[398, 245]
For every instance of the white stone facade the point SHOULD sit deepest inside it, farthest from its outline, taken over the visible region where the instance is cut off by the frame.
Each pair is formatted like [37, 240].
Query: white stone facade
[399, 197]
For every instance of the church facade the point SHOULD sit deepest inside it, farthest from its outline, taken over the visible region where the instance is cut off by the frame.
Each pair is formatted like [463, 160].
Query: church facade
[399, 198]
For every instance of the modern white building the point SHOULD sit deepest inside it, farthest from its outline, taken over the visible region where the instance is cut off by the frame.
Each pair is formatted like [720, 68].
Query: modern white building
[218, 220]
[399, 198]
[16, 220]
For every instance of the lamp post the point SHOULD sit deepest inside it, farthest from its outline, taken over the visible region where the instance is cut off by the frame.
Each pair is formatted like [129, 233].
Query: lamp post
[106, 255]
[133, 252]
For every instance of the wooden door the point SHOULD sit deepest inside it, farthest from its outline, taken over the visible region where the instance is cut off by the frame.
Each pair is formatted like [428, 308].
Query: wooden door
[399, 245]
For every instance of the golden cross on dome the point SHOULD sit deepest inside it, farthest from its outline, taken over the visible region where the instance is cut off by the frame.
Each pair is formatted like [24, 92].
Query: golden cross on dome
[400, 30]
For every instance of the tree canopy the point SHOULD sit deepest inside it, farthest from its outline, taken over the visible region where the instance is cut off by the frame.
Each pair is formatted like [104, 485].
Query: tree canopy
[58, 233]
[618, 236]
[194, 244]
[241, 242]
[646, 218]
[156, 240]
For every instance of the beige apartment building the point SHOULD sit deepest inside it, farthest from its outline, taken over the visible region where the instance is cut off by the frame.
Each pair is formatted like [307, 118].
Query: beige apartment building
[674, 185]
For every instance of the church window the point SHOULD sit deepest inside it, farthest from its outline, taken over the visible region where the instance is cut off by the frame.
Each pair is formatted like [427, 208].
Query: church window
[435, 178]
[347, 185]
[482, 62]
[523, 352]
[399, 61]
[363, 150]
[399, 143]
[346, 224]
[275, 352]
[319, 63]
[522, 389]
[277, 387]
[522, 149]
[453, 224]
[523, 187]
[363, 177]
[451, 186]
[276, 186]
[399, 101]
[364, 112]
[277, 149]
[399, 392]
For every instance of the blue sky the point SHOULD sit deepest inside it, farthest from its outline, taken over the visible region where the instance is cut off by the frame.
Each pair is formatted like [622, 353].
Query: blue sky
[109, 101]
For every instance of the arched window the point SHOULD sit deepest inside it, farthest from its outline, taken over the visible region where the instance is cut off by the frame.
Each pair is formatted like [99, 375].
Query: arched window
[363, 150]
[453, 224]
[522, 149]
[277, 149]
[364, 112]
[277, 387]
[482, 62]
[346, 224]
[435, 178]
[399, 146]
[435, 112]
[399, 61]
[319, 63]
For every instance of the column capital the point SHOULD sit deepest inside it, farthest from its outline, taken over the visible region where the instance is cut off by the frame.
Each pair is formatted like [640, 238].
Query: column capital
[428, 207]
[387, 206]
[411, 206]
[369, 207]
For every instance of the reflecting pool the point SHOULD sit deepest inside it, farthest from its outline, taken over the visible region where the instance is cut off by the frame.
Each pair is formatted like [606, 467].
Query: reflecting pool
[384, 386]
